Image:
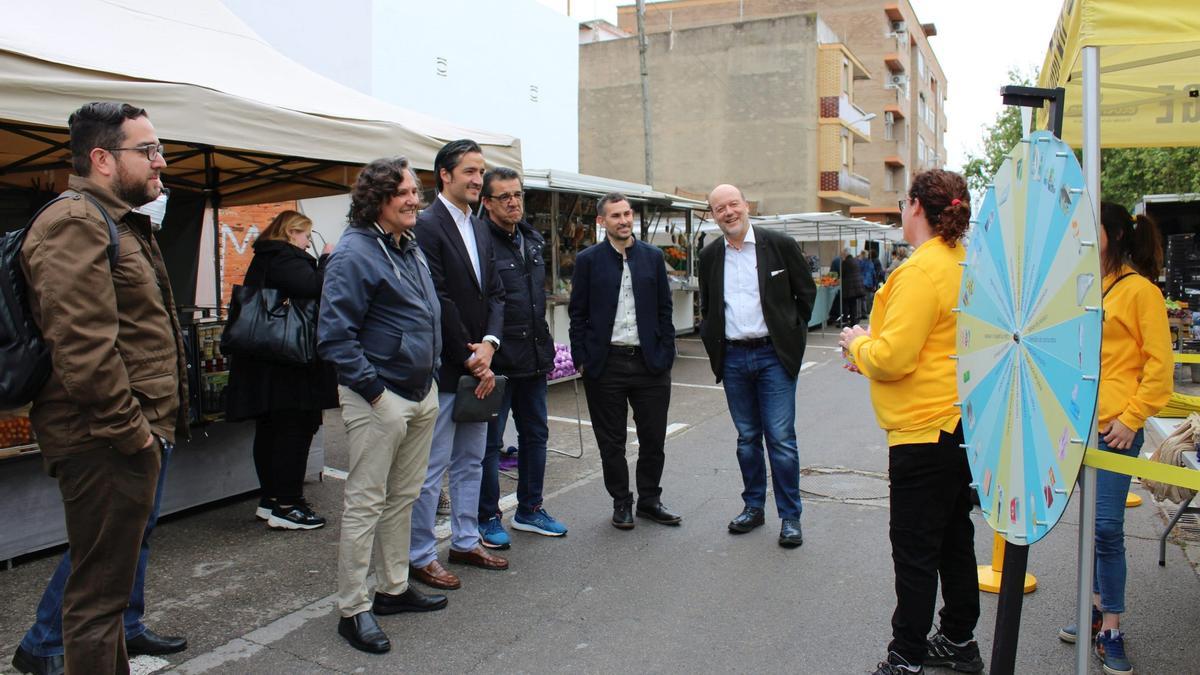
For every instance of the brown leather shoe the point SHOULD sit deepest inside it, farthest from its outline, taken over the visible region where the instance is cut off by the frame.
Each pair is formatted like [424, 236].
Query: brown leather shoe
[478, 557]
[435, 575]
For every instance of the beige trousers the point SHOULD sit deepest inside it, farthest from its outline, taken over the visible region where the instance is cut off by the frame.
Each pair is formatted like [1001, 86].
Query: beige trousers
[389, 454]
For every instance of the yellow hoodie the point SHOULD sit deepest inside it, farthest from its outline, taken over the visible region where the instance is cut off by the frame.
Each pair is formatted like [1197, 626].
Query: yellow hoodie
[907, 355]
[1136, 363]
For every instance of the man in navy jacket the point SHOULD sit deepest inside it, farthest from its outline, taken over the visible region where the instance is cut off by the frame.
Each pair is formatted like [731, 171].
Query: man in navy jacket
[527, 356]
[380, 327]
[623, 341]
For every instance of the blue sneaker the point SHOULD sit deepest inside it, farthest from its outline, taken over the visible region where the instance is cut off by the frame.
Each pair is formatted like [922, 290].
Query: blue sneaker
[492, 534]
[1110, 647]
[538, 522]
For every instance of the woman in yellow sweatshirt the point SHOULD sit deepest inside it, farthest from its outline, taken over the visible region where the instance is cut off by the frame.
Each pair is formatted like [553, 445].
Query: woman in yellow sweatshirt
[905, 353]
[1136, 367]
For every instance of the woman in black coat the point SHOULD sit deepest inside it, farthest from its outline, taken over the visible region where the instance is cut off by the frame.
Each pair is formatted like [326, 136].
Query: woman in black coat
[845, 304]
[284, 400]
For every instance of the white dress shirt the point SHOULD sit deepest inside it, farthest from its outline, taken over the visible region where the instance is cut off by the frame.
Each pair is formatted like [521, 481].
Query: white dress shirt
[463, 221]
[743, 307]
[625, 330]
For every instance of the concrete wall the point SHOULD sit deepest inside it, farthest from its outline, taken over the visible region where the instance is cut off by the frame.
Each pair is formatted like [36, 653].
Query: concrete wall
[730, 103]
[864, 26]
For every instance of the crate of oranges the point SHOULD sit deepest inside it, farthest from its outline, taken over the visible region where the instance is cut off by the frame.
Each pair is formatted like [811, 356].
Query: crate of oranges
[16, 434]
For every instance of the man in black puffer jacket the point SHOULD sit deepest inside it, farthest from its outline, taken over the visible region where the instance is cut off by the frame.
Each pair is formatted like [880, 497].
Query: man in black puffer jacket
[526, 357]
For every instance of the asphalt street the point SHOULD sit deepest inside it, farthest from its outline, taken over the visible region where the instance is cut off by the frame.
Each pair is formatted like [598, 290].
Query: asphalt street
[654, 599]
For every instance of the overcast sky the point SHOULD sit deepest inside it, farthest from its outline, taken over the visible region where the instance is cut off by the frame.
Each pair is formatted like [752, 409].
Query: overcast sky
[977, 44]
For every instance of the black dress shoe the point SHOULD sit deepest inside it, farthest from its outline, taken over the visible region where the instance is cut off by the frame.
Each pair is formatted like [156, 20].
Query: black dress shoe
[153, 644]
[410, 600]
[362, 632]
[659, 514]
[623, 516]
[25, 662]
[747, 520]
[790, 535]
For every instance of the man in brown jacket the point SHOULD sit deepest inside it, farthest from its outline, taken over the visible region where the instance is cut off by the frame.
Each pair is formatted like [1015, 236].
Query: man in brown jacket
[117, 396]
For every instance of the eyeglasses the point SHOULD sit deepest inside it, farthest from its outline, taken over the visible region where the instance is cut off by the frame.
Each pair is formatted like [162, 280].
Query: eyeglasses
[505, 196]
[903, 203]
[152, 150]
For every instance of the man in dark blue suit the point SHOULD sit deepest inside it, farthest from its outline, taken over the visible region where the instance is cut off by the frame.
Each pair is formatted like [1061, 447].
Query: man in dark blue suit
[623, 341]
[463, 268]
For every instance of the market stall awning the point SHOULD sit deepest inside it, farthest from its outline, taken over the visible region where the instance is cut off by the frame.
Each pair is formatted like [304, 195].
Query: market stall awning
[219, 96]
[1149, 64]
[820, 226]
[554, 180]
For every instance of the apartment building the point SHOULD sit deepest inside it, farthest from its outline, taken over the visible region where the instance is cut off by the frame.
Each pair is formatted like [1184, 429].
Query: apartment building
[903, 97]
[767, 104]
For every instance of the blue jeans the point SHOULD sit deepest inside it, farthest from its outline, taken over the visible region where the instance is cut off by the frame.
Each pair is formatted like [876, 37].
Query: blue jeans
[762, 401]
[1111, 489]
[526, 397]
[45, 637]
[457, 448]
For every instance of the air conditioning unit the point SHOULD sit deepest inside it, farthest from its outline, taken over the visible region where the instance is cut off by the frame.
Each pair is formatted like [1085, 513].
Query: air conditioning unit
[899, 27]
[897, 81]
[889, 117]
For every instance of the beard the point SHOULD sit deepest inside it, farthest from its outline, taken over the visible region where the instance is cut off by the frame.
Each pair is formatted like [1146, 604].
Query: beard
[132, 190]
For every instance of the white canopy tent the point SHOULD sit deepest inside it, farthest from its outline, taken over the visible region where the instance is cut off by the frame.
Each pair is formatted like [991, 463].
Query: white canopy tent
[239, 119]
[822, 226]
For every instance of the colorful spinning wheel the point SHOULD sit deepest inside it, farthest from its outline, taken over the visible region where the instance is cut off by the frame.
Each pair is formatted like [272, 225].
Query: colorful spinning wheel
[1029, 327]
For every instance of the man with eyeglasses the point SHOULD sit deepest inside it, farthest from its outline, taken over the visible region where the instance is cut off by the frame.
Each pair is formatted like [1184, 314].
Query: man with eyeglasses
[527, 357]
[116, 400]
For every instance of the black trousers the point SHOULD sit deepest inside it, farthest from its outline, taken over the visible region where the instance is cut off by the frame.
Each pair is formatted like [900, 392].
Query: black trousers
[281, 442]
[932, 537]
[627, 384]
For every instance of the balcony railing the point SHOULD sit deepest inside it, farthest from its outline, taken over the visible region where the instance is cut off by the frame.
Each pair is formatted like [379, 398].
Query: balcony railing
[854, 184]
[854, 116]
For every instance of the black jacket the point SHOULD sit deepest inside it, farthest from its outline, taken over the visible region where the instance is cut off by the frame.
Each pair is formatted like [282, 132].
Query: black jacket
[851, 279]
[528, 350]
[470, 310]
[595, 287]
[785, 290]
[256, 387]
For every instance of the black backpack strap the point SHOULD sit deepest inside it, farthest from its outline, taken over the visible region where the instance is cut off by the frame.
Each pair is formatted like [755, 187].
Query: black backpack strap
[114, 239]
[1114, 283]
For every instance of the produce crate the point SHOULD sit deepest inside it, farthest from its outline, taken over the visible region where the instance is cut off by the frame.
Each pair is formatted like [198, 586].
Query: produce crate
[16, 434]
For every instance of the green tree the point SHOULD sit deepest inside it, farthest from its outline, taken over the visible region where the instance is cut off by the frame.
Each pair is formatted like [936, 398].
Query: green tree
[1128, 173]
[998, 139]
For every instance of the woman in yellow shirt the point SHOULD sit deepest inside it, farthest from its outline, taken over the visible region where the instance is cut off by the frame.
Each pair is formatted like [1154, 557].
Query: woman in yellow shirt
[905, 353]
[1136, 367]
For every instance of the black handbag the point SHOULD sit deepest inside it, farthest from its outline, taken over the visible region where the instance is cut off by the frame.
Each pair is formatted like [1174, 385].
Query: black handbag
[469, 409]
[266, 325]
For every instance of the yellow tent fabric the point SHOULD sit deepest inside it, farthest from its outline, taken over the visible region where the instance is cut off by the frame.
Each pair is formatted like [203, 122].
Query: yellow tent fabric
[1149, 64]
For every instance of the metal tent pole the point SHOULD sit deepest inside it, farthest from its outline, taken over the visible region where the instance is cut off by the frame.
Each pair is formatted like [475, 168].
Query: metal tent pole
[213, 186]
[1087, 493]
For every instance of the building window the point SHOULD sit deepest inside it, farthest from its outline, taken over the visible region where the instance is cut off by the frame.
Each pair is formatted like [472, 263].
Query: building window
[920, 63]
[845, 150]
[889, 127]
[846, 77]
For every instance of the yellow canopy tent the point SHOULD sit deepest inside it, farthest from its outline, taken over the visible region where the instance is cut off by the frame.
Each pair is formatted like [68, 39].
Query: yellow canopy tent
[1149, 70]
[1131, 73]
